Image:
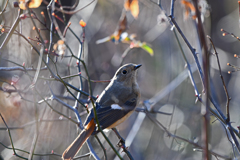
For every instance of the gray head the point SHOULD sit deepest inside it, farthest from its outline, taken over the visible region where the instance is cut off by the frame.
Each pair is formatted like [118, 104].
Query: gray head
[127, 73]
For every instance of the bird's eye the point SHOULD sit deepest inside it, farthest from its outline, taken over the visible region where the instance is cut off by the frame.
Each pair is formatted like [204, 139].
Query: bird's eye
[124, 72]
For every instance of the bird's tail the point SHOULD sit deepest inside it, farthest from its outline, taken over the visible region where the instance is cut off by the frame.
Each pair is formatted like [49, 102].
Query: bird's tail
[76, 145]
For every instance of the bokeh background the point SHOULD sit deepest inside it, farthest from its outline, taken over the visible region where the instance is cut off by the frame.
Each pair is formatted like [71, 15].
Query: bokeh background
[155, 75]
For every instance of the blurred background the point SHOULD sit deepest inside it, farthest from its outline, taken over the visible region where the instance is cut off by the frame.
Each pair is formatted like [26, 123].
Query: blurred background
[102, 60]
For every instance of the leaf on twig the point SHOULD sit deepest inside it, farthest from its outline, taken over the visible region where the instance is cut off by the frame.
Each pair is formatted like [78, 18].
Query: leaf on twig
[189, 9]
[31, 4]
[119, 34]
[122, 26]
[137, 44]
[143, 45]
[148, 49]
[133, 6]
[59, 48]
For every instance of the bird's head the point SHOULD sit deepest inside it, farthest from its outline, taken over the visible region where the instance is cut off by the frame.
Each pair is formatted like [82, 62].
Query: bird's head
[127, 73]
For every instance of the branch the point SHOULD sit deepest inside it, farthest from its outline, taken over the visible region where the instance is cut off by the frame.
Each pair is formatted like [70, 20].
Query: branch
[47, 154]
[121, 144]
[4, 8]
[9, 133]
[170, 87]
[223, 82]
[19, 68]
[205, 107]
[10, 33]
[197, 94]
[157, 123]
[69, 12]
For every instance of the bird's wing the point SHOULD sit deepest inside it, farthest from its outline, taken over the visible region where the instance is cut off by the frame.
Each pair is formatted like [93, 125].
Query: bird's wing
[109, 115]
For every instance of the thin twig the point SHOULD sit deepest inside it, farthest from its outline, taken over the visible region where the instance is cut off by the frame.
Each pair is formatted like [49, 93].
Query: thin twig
[80, 52]
[66, 28]
[18, 91]
[10, 33]
[172, 8]
[93, 153]
[20, 69]
[46, 154]
[104, 150]
[121, 144]
[4, 8]
[51, 28]
[224, 85]
[55, 109]
[9, 133]
[189, 68]
[156, 122]
[39, 120]
[189, 46]
[70, 12]
[36, 134]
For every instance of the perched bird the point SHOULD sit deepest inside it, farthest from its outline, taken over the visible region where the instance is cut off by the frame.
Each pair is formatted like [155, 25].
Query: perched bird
[114, 105]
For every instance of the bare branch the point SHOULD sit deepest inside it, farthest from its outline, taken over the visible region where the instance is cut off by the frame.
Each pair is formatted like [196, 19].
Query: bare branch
[224, 85]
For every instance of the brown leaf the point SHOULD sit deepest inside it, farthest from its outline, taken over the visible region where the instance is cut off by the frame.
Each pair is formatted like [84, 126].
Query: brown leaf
[31, 4]
[60, 42]
[35, 3]
[127, 4]
[132, 5]
[122, 26]
[55, 46]
[134, 8]
[188, 7]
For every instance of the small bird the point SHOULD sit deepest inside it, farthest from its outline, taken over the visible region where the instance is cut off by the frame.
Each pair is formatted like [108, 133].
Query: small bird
[114, 105]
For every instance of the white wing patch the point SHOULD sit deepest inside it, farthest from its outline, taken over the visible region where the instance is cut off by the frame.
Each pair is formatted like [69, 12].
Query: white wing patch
[106, 130]
[115, 106]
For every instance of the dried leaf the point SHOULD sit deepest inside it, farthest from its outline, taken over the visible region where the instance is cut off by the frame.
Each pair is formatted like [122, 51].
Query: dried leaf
[189, 7]
[127, 4]
[35, 3]
[133, 6]
[31, 4]
[60, 42]
[60, 48]
[55, 46]
[122, 26]
[117, 35]
[22, 4]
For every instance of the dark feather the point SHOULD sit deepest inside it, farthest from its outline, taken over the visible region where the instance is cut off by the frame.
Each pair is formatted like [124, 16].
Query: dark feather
[107, 115]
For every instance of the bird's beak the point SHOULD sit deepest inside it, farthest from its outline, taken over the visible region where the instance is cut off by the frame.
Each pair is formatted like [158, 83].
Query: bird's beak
[137, 66]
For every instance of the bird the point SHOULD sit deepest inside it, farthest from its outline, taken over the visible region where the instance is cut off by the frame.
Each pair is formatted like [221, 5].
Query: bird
[114, 105]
